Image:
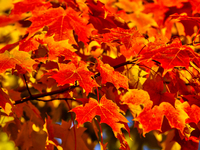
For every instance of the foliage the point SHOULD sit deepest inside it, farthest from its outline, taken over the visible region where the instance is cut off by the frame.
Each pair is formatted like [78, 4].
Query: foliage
[78, 70]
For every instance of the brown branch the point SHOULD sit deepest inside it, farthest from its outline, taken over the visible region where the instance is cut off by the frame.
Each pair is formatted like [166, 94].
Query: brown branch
[27, 85]
[72, 99]
[35, 97]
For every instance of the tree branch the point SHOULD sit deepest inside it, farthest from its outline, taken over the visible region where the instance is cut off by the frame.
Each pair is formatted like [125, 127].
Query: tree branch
[34, 97]
[27, 86]
[72, 99]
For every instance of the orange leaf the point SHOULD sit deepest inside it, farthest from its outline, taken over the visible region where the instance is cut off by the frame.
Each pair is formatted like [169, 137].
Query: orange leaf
[132, 41]
[9, 60]
[152, 119]
[109, 75]
[69, 73]
[172, 55]
[136, 100]
[60, 48]
[61, 23]
[6, 61]
[193, 112]
[106, 109]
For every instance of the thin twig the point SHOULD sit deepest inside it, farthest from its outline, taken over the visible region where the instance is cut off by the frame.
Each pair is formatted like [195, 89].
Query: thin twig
[72, 99]
[100, 130]
[73, 124]
[27, 86]
[35, 97]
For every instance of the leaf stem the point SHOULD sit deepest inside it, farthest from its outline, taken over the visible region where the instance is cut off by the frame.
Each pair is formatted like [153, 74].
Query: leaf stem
[100, 130]
[73, 125]
[97, 94]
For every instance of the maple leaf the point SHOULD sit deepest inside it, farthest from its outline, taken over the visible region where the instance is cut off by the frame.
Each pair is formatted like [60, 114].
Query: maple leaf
[60, 48]
[157, 91]
[49, 129]
[30, 139]
[6, 61]
[136, 100]
[61, 24]
[106, 109]
[112, 94]
[23, 59]
[69, 137]
[109, 75]
[114, 62]
[171, 55]
[31, 112]
[195, 6]
[66, 133]
[131, 40]
[71, 72]
[192, 99]
[22, 138]
[55, 48]
[152, 118]
[158, 11]
[193, 112]
[28, 45]
[135, 15]
[102, 19]
[28, 5]
[9, 60]
[186, 144]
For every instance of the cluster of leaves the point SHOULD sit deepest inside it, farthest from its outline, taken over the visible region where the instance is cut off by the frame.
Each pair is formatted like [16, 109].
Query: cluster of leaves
[98, 61]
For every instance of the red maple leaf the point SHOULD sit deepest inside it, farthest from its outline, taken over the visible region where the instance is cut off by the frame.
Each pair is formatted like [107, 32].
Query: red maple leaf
[66, 132]
[29, 5]
[157, 91]
[61, 24]
[55, 48]
[106, 109]
[130, 40]
[102, 19]
[136, 100]
[109, 75]
[152, 118]
[71, 72]
[171, 55]
[28, 45]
